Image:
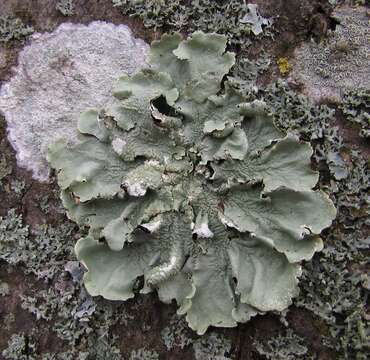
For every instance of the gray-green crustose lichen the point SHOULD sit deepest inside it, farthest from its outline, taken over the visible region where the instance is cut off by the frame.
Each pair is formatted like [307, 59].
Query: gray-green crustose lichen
[185, 184]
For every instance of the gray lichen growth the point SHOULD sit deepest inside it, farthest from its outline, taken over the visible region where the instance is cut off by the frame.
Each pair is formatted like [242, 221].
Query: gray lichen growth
[20, 347]
[13, 236]
[339, 62]
[287, 346]
[76, 318]
[246, 71]
[356, 109]
[59, 75]
[212, 346]
[13, 29]
[194, 189]
[43, 253]
[66, 7]
[17, 186]
[176, 334]
[234, 19]
[312, 123]
[334, 283]
[335, 294]
[253, 18]
[143, 354]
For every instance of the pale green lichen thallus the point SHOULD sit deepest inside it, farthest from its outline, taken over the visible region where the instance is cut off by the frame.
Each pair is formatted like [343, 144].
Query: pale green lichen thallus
[183, 182]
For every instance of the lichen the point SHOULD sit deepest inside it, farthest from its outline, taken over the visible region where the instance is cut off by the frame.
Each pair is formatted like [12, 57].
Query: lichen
[338, 63]
[20, 347]
[356, 109]
[199, 198]
[13, 236]
[143, 354]
[212, 346]
[8, 321]
[342, 172]
[246, 71]
[85, 325]
[66, 7]
[335, 294]
[253, 18]
[59, 75]
[12, 28]
[76, 318]
[42, 254]
[332, 285]
[17, 186]
[176, 334]
[283, 65]
[287, 346]
[234, 19]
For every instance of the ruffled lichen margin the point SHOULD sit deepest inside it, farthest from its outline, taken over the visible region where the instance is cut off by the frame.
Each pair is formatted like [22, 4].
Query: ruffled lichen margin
[188, 189]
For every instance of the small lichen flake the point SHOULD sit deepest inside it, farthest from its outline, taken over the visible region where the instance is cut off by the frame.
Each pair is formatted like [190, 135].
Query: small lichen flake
[191, 187]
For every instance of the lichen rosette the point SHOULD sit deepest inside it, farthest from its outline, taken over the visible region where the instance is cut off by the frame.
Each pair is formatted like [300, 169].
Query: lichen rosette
[188, 190]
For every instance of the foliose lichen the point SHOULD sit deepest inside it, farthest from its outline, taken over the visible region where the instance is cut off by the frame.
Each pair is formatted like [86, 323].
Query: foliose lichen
[13, 29]
[287, 346]
[43, 252]
[185, 184]
[234, 19]
[356, 109]
[333, 285]
[337, 295]
[85, 325]
[255, 20]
